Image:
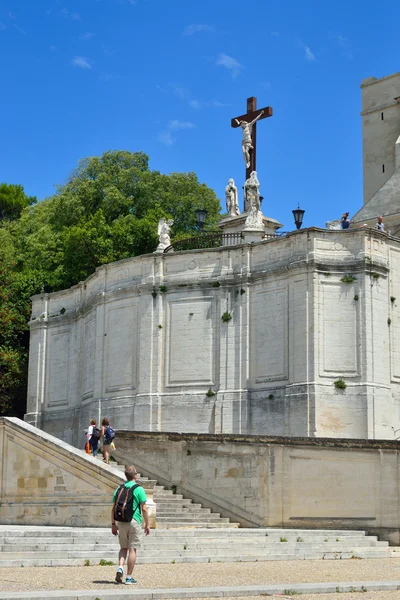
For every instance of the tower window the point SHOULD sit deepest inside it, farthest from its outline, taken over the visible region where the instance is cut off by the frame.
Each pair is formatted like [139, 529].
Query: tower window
[382, 116]
[383, 168]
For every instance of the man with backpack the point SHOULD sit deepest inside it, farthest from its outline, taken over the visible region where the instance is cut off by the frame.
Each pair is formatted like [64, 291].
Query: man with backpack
[127, 515]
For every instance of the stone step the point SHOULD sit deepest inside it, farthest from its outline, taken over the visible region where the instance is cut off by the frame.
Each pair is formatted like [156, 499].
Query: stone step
[187, 525]
[183, 510]
[162, 494]
[179, 503]
[195, 547]
[10, 544]
[32, 530]
[200, 518]
[155, 553]
[255, 557]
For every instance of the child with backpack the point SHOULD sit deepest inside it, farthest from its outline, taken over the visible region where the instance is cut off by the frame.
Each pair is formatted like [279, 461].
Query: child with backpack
[93, 436]
[108, 435]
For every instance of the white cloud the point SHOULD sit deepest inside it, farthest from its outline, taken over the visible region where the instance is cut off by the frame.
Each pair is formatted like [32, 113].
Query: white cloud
[68, 15]
[2, 26]
[176, 125]
[81, 62]
[309, 55]
[181, 92]
[195, 104]
[11, 15]
[192, 29]
[165, 137]
[86, 36]
[20, 30]
[219, 104]
[234, 66]
[107, 51]
[109, 77]
[344, 45]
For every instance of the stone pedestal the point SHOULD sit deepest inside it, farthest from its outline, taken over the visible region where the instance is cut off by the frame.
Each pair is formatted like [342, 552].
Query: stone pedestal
[252, 235]
[237, 225]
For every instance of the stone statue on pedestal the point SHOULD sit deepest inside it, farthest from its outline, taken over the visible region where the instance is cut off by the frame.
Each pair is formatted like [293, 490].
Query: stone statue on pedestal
[252, 202]
[164, 230]
[333, 224]
[231, 196]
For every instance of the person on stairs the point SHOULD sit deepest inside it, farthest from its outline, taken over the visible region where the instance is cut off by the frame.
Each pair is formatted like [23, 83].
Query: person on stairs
[127, 515]
[106, 433]
[93, 436]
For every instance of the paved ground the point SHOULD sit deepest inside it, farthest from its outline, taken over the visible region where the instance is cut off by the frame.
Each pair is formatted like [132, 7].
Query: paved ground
[213, 574]
[350, 596]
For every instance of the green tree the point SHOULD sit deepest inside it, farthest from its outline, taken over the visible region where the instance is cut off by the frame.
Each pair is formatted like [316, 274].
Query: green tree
[13, 200]
[108, 210]
[14, 314]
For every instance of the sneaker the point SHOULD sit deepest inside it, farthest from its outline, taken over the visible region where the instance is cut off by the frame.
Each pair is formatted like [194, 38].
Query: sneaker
[130, 581]
[119, 575]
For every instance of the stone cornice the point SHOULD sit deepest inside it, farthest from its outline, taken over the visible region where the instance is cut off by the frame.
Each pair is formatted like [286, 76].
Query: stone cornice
[260, 440]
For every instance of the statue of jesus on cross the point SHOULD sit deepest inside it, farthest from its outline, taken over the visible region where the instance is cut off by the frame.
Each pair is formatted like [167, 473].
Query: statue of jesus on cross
[248, 124]
[246, 142]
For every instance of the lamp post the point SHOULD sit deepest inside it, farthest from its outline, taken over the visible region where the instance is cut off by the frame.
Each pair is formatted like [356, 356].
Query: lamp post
[201, 216]
[298, 215]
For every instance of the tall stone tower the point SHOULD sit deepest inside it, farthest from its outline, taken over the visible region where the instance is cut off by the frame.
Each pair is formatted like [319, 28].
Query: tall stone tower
[381, 151]
[380, 128]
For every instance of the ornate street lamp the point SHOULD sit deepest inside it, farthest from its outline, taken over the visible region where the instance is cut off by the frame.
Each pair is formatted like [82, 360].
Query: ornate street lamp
[201, 216]
[298, 214]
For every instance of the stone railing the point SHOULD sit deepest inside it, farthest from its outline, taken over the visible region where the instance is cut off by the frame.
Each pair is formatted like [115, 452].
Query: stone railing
[214, 240]
[48, 482]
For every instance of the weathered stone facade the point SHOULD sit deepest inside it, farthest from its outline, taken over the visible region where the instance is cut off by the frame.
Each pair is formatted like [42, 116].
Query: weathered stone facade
[381, 152]
[143, 341]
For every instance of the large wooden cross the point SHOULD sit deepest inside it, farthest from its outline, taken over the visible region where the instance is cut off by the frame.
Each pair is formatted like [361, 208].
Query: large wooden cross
[249, 117]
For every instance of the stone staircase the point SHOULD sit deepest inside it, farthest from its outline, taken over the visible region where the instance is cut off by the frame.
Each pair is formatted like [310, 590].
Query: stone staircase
[174, 511]
[70, 546]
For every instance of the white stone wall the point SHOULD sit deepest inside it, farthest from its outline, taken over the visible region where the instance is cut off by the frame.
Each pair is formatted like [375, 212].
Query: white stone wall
[381, 128]
[119, 346]
[274, 482]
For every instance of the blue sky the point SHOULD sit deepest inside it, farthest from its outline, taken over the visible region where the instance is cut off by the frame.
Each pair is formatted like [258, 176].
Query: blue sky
[80, 77]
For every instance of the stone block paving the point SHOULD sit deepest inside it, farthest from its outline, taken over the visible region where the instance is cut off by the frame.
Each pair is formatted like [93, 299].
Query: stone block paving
[208, 575]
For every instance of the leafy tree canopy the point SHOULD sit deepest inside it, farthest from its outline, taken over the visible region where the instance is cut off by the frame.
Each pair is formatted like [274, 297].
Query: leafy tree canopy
[108, 210]
[13, 200]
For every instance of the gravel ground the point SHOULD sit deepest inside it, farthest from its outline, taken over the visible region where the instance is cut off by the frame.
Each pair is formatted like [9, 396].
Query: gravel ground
[213, 574]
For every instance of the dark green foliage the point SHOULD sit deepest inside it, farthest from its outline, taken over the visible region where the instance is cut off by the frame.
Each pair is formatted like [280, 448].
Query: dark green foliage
[340, 384]
[348, 279]
[12, 201]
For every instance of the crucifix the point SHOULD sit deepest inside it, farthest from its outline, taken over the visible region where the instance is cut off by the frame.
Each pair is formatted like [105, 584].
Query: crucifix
[248, 124]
